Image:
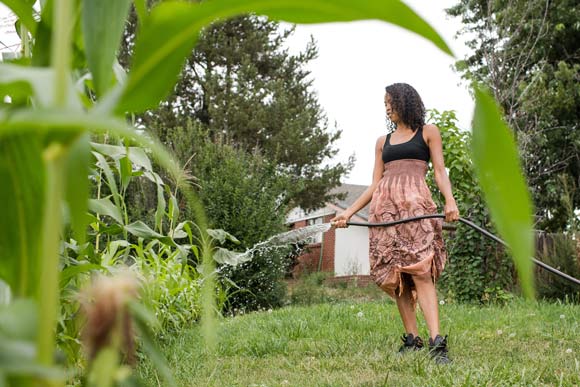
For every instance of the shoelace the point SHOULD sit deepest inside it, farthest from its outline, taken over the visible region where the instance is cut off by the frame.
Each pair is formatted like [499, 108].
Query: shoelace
[441, 346]
[416, 342]
[406, 341]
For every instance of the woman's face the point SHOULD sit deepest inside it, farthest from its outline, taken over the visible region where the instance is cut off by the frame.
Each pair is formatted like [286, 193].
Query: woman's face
[391, 113]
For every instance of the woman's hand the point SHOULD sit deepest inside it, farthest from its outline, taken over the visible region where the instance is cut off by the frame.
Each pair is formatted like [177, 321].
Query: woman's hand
[451, 211]
[340, 220]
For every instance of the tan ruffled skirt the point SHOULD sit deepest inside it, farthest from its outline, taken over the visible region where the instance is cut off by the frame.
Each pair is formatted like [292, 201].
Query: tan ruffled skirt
[414, 248]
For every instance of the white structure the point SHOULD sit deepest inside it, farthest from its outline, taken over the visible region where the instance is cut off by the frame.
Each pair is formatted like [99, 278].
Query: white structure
[342, 251]
[351, 251]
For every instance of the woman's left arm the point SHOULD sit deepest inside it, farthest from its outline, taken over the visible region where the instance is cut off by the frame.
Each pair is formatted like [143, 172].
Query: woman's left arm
[433, 139]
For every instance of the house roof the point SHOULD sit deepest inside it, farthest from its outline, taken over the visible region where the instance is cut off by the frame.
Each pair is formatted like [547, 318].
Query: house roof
[353, 192]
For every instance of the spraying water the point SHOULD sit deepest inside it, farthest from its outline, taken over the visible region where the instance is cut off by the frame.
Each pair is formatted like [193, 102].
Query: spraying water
[283, 240]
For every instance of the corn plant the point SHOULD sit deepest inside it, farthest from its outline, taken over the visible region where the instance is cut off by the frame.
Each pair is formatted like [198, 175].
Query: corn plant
[163, 257]
[67, 84]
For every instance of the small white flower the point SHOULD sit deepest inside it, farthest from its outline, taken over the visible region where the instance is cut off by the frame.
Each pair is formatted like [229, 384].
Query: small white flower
[285, 381]
[442, 302]
[569, 350]
[269, 310]
[562, 317]
[360, 314]
[512, 335]
[499, 332]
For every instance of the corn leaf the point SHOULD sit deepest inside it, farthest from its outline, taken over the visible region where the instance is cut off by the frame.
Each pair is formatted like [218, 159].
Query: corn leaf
[77, 186]
[40, 80]
[22, 195]
[104, 206]
[103, 22]
[141, 230]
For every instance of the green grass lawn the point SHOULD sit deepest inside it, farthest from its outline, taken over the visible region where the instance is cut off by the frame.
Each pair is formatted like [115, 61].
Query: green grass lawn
[354, 344]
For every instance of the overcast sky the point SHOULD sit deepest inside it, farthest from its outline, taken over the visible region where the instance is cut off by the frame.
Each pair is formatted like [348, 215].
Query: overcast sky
[355, 63]
[357, 60]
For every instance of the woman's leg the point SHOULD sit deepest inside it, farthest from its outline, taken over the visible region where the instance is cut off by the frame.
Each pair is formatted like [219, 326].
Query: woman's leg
[427, 296]
[407, 311]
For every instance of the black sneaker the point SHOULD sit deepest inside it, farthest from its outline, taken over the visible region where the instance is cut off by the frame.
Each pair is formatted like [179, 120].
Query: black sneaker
[410, 343]
[438, 350]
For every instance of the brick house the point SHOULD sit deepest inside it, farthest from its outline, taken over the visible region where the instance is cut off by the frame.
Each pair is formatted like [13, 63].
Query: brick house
[343, 252]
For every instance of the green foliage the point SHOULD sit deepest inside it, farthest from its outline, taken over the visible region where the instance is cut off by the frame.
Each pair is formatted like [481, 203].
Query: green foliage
[318, 288]
[527, 52]
[496, 296]
[244, 195]
[552, 151]
[170, 288]
[309, 289]
[23, 176]
[102, 39]
[559, 251]
[18, 327]
[23, 9]
[76, 190]
[475, 264]
[50, 110]
[503, 185]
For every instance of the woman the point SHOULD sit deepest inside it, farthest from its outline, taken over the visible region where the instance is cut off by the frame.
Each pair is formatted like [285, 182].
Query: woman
[406, 260]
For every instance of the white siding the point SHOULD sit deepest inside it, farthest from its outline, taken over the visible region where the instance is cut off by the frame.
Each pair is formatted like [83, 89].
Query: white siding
[351, 251]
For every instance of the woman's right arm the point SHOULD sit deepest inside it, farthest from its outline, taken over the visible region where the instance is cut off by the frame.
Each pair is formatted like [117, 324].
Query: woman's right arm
[366, 196]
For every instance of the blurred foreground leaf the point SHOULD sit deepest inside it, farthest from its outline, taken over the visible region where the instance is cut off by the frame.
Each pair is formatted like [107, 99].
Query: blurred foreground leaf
[497, 163]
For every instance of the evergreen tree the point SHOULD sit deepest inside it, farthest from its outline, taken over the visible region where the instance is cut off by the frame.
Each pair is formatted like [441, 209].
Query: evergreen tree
[528, 52]
[243, 85]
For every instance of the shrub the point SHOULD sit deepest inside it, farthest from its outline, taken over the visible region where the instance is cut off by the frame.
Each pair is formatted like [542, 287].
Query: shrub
[475, 263]
[309, 289]
[558, 251]
[244, 195]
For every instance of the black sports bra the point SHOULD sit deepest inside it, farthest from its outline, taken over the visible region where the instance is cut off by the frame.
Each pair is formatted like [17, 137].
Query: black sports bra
[415, 148]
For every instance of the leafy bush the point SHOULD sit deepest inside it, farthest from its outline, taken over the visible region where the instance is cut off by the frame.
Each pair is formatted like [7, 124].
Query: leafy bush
[315, 288]
[309, 290]
[475, 263]
[244, 195]
[560, 252]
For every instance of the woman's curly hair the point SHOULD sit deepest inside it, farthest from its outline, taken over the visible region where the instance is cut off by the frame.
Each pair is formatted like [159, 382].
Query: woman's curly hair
[407, 103]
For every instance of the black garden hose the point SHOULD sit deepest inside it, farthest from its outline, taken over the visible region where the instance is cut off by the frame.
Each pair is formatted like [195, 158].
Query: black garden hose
[472, 225]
